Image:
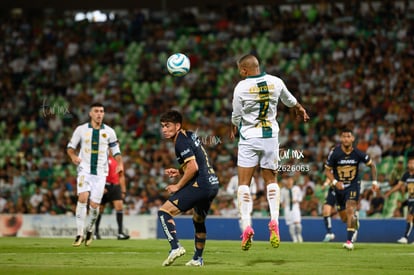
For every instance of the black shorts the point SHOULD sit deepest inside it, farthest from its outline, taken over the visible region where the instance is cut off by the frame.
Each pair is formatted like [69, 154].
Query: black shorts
[113, 193]
[349, 193]
[331, 197]
[410, 207]
[191, 196]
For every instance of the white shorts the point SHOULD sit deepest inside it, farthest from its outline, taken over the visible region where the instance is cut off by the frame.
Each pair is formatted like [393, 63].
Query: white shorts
[93, 184]
[262, 151]
[292, 216]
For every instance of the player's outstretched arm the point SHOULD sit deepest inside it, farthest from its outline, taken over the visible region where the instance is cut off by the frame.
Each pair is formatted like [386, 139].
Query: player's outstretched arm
[375, 187]
[393, 189]
[301, 112]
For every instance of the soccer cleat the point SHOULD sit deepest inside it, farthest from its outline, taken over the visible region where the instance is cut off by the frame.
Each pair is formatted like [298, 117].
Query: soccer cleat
[247, 238]
[78, 241]
[198, 262]
[329, 237]
[348, 245]
[274, 234]
[123, 236]
[174, 254]
[403, 240]
[88, 239]
[97, 236]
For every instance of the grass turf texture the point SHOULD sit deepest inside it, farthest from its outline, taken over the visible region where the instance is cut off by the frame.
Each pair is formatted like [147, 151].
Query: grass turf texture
[57, 256]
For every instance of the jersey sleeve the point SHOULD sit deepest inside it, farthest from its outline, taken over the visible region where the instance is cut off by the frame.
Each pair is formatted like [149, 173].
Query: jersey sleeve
[365, 158]
[330, 160]
[236, 115]
[183, 149]
[405, 177]
[286, 96]
[113, 142]
[75, 139]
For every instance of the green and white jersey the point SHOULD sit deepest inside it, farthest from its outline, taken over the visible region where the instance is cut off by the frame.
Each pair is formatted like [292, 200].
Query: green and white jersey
[94, 145]
[255, 102]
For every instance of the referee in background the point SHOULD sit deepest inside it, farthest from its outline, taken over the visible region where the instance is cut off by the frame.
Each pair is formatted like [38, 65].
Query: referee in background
[115, 191]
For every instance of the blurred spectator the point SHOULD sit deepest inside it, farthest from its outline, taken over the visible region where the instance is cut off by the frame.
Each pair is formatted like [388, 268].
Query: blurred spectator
[397, 171]
[374, 151]
[310, 203]
[365, 202]
[376, 205]
[21, 206]
[3, 202]
[35, 200]
[398, 211]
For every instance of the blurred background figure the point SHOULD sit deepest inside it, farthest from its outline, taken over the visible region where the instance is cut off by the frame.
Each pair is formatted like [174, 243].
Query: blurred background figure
[290, 198]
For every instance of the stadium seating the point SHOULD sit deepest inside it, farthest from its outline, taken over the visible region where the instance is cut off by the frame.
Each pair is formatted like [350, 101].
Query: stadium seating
[141, 53]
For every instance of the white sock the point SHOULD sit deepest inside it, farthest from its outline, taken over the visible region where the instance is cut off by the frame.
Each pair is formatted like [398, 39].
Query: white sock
[80, 217]
[93, 215]
[273, 198]
[292, 233]
[298, 227]
[245, 204]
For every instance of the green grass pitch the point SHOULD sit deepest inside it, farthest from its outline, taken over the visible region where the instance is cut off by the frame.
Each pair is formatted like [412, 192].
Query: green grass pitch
[109, 256]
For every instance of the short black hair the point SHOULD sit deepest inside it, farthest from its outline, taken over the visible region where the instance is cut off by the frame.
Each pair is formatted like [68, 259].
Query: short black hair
[97, 104]
[346, 130]
[172, 116]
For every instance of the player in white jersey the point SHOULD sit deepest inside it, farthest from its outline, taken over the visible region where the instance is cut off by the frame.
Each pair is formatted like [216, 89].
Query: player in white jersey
[94, 139]
[290, 198]
[254, 113]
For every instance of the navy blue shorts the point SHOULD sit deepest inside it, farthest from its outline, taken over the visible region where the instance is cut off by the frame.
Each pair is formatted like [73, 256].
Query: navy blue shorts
[193, 196]
[331, 197]
[349, 193]
[410, 207]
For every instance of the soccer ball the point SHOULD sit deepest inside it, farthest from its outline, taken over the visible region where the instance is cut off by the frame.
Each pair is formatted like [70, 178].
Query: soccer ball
[178, 64]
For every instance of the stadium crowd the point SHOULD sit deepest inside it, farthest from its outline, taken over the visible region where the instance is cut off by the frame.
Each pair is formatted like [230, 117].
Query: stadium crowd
[348, 65]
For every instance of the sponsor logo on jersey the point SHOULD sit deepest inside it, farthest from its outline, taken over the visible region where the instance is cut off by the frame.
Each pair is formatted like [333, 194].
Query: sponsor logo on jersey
[347, 161]
[186, 151]
[213, 180]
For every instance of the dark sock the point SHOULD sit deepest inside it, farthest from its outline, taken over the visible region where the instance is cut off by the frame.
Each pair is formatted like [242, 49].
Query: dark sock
[328, 224]
[168, 227]
[408, 229]
[199, 242]
[119, 217]
[98, 221]
[349, 233]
